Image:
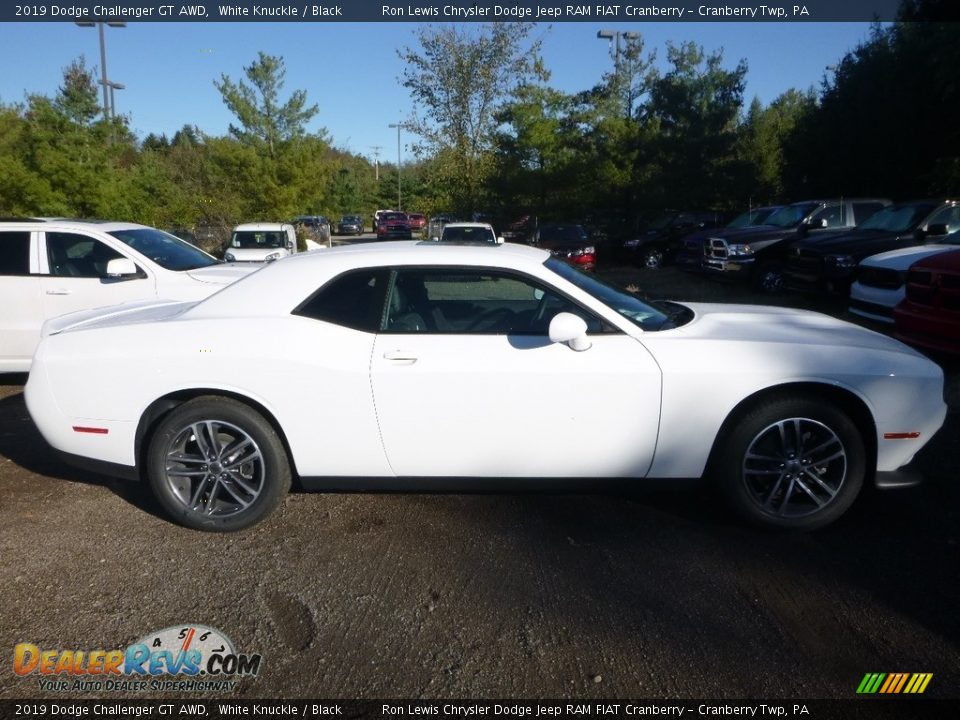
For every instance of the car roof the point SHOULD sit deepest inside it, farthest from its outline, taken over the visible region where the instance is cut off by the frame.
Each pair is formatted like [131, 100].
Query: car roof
[467, 225]
[75, 224]
[288, 281]
[262, 226]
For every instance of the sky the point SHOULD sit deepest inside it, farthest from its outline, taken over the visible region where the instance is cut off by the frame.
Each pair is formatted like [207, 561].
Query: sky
[352, 70]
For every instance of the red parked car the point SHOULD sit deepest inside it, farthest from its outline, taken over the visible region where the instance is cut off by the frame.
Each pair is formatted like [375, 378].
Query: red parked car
[393, 225]
[929, 315]
[567, 242]
[418, 221]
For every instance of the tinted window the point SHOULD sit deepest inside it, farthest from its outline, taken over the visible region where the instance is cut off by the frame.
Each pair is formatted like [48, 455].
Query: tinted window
[253, 239]
[833, 214]
[948, 216]
[353, 300]
[164, 249]
[863, 210]
[475, 302]
[72, 255]
[15, 253]
[897, 218]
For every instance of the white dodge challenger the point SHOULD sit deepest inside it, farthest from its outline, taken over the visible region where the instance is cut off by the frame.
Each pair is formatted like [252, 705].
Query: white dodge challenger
[394, 364]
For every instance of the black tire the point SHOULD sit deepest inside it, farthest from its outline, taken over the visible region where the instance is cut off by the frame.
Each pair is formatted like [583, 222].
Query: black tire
[652, 258]
[216, 464]
[766, 477]
[768, 278]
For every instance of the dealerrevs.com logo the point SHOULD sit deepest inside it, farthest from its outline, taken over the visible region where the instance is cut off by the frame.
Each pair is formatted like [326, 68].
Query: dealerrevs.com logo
[186, 657]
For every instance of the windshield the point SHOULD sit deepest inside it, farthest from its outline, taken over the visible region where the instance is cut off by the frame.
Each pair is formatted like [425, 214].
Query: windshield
[897, 219]
[555, 233]
[790, 215]
[951, 239]
[751, 218]
[166, 250]
[468, 234]
[258, 239]
[630, 306]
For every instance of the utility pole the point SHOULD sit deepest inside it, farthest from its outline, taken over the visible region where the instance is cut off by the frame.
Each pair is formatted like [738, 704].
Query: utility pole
[108, 86]
[615, 36]
[376, 161]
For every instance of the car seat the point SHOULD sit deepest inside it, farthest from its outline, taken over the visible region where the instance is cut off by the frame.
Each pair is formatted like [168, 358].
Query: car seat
[400, 318]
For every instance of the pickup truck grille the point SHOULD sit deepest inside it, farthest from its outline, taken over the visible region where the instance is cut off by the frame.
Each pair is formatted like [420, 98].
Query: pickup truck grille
[884, 278]
[934, 289]
[716, 248]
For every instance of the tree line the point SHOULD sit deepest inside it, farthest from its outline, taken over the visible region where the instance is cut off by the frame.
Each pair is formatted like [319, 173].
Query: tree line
[492, 135]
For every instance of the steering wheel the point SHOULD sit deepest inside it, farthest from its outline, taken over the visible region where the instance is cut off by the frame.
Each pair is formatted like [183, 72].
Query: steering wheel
[488, 318]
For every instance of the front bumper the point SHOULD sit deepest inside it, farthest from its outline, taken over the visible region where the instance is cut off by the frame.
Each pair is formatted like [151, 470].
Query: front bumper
[734, 268]
[874, 303]
[938, 332]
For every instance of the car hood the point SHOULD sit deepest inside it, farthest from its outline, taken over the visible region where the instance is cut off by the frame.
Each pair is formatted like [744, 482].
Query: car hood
[862, 242]
[755, 323]
[226, 273]
[245, 255]
[903, 258]
[125, 314]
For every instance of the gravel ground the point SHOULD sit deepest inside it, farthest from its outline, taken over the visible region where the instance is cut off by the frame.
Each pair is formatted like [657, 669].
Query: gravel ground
[623, 593]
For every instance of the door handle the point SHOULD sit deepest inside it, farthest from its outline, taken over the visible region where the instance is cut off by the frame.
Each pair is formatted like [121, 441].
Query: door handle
[61, 291]
[399, 357]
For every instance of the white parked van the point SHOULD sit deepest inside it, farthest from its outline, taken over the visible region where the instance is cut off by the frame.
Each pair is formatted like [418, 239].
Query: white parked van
[263, 242]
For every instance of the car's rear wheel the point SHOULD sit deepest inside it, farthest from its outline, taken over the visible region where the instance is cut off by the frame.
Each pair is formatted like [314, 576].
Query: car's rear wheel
[652, 258]
[792, 463]
[216, 464]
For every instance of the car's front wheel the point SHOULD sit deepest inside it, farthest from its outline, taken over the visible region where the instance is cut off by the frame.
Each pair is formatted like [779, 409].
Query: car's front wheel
[792, 463]
[652, 258]
[216, 464]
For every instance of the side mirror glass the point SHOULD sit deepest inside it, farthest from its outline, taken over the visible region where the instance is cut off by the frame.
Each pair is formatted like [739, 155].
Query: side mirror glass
[569, 329]
[937, 229]
[121, 267]
[499, 240]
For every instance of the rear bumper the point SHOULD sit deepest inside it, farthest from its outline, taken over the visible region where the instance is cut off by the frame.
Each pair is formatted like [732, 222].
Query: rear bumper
[905, 477]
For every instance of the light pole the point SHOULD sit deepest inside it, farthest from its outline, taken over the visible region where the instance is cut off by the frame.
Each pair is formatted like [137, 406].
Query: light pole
[107, 91]
[615, 36]
[114, 86]
[398, 126]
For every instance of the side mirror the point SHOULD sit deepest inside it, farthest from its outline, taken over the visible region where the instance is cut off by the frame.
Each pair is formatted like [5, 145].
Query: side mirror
[499, 240]
[937, 229]
[570, 329]
[435, 239]
[290, 245]
[121, 267]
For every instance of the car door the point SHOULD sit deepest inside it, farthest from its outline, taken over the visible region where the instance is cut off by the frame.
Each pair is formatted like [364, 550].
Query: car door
[466, 382]
[20, 300]
[76, 278]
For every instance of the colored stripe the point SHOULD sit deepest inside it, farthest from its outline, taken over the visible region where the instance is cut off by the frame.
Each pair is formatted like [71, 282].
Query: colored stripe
[926, 681]
[862, 687]
[891, 679]
[94, 430]
[188, 639]
[902, 682]
[911, 684]
[876, 683]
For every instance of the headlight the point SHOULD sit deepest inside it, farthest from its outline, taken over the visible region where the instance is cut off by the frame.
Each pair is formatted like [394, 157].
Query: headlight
[272, 256]
[847, 262]
[229, 257]
[740, 249]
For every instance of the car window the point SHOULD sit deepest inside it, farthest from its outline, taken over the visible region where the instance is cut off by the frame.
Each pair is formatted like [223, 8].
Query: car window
[833, 214]
[15, 253]
[251, 239]
[864, 210]
[166, 250]
[467, 234]
[948, 216]
[75, 255]
[353, 300]
[475, 301]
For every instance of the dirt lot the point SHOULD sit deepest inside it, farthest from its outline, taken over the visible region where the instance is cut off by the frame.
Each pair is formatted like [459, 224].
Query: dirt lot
[640, 592]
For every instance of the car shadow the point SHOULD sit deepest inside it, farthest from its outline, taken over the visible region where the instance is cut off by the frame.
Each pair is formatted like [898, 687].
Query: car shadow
[23, 445]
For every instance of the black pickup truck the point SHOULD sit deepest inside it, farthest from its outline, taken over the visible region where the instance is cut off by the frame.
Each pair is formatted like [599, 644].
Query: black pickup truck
[758, 254]
[830, 265]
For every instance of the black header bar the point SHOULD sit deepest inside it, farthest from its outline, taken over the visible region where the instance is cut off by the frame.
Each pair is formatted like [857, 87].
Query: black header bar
[632, 11]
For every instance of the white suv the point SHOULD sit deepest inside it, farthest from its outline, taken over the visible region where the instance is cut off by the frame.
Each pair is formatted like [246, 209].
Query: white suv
[53, 267]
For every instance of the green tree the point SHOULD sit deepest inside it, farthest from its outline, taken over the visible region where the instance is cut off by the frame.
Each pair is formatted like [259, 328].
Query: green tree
[77, 96]
[264, 119]
[459, 79]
